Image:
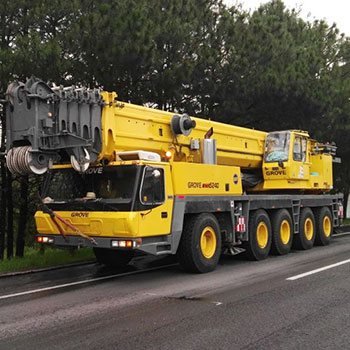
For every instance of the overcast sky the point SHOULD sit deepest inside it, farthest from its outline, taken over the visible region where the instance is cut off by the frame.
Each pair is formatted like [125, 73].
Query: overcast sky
[337, 11]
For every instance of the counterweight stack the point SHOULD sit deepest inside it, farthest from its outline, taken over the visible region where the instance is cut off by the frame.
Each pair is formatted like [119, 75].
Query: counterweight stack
[47, 125]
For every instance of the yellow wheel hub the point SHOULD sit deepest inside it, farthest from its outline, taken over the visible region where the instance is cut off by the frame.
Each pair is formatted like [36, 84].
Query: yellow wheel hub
[285, 232]
[308, 229]
[262, 235]
[327, 226]
[208, 242]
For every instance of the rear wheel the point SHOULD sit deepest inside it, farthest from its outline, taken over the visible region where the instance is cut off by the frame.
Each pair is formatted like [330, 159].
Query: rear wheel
[282, 233]
[260, 237]
[324, 226]
[200, 244]
[113, 258]
[306, 237]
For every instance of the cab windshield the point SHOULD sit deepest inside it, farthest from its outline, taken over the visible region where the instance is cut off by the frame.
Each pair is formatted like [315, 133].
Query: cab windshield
[102, 188]
[277, 146]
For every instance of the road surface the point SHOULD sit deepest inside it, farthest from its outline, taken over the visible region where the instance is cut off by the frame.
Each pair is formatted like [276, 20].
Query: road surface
[298, 301]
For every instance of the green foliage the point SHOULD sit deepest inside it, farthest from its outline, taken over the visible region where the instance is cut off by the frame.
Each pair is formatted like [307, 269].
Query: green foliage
[32, 39]
[279, 70]
[37, 259]
[144, 49]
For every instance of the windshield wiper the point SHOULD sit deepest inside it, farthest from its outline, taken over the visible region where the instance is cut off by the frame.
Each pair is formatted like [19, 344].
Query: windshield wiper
[88, 203]
[54, 201]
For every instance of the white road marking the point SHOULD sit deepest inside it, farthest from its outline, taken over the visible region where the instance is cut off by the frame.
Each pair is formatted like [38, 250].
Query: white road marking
[341, 234]
[293, 278]
[60, 286]
[217, 303]
[65, 285]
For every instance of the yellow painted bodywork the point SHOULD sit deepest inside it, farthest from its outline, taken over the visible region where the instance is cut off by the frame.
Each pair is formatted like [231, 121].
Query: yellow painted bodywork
[314, 173]
[128, 127]
[180, 179]
[92, 223]
[205, 179]
[321, 175]
[151, 221]
[110, 224]
[114, 223]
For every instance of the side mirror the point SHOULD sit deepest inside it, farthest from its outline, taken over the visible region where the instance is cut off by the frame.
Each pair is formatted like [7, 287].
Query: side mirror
[156, 173]
[280, 164]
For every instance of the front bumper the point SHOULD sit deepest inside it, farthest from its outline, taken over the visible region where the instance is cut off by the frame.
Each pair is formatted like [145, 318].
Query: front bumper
[159, 245]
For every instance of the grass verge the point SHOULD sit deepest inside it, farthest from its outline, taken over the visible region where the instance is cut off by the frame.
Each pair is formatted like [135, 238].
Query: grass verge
[34, 258]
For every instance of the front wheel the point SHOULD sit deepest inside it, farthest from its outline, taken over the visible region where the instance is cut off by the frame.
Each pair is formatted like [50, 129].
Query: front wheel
[113, 258]
[200, 244]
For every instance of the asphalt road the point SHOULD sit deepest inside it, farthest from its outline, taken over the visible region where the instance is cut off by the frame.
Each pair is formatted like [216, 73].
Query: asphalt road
[299, 301]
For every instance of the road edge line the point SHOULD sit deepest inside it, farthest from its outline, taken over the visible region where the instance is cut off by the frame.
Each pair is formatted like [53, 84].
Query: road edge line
[312, 272]
[92, 280]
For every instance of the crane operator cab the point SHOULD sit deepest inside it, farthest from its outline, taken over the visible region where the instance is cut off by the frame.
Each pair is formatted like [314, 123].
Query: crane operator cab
[292, 160]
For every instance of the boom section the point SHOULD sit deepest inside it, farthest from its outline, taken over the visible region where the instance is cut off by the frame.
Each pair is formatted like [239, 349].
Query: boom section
[126, 125]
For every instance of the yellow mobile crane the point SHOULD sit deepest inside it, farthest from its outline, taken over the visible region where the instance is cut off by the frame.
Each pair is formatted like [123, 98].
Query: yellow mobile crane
[123, 178]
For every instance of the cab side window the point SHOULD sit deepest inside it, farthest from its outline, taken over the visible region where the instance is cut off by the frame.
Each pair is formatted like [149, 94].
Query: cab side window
[152, 191]
[303, 149]
[299, 149]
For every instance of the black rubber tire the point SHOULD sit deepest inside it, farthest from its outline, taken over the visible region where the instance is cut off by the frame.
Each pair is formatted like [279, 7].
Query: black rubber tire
[301, 241]
[189, 253]
[280, 219]
[322, 238]
[113, 258]
[253, 250]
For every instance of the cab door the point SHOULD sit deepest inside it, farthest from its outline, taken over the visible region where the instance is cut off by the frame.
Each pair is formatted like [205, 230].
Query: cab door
[300, 158]
[156, 198]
